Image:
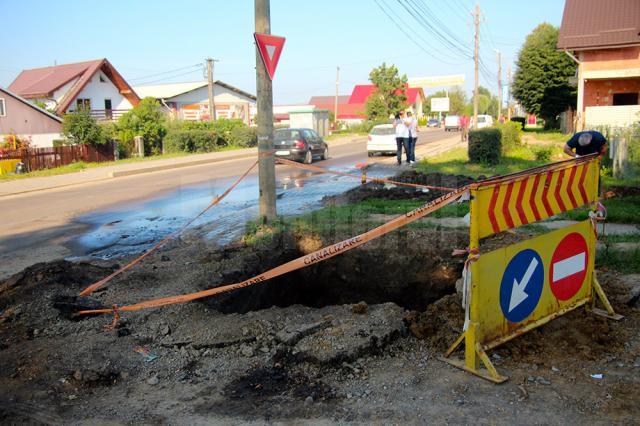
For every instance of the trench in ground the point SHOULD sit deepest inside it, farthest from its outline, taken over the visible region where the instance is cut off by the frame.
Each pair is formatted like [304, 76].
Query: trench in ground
[411, 273]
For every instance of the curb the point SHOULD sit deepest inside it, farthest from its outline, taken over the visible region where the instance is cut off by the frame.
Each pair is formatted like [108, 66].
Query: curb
[143, 170]
[178, 165]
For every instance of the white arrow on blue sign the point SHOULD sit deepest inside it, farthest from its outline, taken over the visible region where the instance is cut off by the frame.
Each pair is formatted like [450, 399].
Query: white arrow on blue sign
[521, 285]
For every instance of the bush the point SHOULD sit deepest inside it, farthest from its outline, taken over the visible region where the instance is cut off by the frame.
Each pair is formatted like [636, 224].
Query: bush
[191, 141]
[521, 120]
[543, 153]
[244, 136]
[222, 127]
[511, 136]
[423, 121]
[147, 120]
[81, 128]
[485, 146]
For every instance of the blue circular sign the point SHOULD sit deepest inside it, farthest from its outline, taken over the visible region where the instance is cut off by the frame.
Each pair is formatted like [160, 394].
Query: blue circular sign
[521, 285]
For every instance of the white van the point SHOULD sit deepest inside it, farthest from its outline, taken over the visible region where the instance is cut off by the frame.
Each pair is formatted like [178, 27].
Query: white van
[483, 121]
[452, 123]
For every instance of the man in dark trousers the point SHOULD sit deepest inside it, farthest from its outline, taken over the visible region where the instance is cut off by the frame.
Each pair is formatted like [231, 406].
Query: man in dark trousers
[586, 143]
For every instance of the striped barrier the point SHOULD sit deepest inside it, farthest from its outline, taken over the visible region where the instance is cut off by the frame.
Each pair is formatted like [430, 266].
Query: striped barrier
[514, 289]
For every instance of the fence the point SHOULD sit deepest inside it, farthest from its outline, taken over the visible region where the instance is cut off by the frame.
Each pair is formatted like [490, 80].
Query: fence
[46, 158]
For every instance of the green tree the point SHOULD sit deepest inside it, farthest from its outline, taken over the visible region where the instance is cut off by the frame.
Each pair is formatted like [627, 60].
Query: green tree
[541, 80]
[487, 102]
[390, 94]
[81, 128]
[148, 120]
[457, 100]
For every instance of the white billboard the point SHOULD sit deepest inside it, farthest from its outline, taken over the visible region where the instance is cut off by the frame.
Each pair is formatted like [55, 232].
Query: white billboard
[439, 104]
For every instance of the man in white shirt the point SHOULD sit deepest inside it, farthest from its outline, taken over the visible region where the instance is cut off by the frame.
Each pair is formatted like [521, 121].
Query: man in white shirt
[413, 136]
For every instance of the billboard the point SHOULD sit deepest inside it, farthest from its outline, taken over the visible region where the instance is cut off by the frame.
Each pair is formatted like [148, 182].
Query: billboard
[439, 104]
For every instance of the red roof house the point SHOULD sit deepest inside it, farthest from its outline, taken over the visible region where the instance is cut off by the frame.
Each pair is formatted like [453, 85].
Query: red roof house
[353, 107]
[95, 85]
[604, 39]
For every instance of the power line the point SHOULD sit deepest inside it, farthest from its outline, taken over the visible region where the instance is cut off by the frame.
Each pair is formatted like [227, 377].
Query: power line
[141, 83]
[410, 37]
[164, 72]
[444, 37]
[448, 33]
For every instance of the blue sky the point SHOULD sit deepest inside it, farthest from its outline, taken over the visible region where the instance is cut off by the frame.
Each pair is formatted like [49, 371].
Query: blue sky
[144, 38]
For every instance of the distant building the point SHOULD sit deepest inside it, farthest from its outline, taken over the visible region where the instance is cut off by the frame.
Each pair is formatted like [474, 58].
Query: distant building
[190, 101]
[604, 37]
[352, 108]
[20, 117]
[94, 85]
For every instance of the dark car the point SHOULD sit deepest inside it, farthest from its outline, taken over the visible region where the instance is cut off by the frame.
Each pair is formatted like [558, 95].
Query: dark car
[299, 145]
[433, 122]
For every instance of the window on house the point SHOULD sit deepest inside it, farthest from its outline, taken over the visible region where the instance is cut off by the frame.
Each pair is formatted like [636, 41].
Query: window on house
[83, 104]
[3, 112]
[625, 99]
[102, 80]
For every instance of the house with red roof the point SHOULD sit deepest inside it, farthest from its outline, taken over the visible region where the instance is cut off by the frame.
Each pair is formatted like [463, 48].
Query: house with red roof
[604, 40]
[352, 108]
[94, 85]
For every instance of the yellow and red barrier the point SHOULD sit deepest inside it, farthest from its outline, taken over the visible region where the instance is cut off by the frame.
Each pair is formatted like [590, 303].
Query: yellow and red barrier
[517, 288]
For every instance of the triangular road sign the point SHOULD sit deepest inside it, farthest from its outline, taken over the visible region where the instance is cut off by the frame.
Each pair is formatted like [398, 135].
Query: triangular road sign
[270, 48]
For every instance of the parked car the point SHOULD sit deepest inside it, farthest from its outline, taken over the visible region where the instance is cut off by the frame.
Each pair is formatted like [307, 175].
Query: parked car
[299, 145]
[452, 123]
[382, 139]
[433, 122]
[483, 121]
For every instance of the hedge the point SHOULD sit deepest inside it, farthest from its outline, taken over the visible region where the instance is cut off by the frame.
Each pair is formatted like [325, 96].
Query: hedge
[511, 136]
[191, 141]
[521, 120]
[485, 146]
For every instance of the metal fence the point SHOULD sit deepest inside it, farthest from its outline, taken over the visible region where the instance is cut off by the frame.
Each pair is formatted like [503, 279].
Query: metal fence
[46, 158]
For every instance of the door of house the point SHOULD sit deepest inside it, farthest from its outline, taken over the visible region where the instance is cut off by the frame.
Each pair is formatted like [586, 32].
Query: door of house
[107, 109]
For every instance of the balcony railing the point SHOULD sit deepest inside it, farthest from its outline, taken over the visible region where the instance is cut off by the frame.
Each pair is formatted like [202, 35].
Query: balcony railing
[107, 114]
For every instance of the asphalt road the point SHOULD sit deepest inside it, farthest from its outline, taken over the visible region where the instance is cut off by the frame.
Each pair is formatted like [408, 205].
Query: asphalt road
[32, 223]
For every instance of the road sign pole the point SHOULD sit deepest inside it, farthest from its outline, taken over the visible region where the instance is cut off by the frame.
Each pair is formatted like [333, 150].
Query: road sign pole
[266, 165]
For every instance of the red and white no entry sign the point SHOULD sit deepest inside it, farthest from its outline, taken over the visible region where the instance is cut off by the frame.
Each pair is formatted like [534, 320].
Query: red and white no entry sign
[569, 266]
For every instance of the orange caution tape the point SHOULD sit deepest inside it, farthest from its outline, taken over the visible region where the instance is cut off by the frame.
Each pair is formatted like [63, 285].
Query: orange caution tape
[93, 287]
[362, 177]
[301, 262]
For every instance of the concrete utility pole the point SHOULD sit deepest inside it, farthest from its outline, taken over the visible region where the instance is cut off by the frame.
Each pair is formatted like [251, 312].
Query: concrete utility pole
[499, 84]
[509, 93]
[335, 106]
[212, 102]
[476, 60]
[266, 164]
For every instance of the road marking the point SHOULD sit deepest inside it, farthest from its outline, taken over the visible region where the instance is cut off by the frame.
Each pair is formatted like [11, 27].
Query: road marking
[569, 266]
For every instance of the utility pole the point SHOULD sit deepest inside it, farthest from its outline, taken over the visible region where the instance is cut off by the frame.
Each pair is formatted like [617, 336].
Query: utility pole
[335, 105]
[509, 93]
[266, 164]
[476, 60]
[212, 102]
[499, 84]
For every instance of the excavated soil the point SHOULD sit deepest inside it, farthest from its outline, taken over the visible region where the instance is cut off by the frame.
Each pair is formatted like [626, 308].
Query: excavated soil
[352, 339]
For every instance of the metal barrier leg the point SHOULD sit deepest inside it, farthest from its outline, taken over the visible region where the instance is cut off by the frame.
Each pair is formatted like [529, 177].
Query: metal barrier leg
[474, 353]
[599, 294]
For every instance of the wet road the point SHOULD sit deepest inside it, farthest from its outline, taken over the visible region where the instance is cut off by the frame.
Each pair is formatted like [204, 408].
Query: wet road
[126, 214]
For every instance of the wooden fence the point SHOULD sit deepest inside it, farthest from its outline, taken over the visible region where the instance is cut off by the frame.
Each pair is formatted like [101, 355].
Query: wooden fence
[46, 158]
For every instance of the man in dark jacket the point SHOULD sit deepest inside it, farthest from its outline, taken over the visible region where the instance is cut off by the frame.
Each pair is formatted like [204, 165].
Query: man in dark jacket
[586, 143]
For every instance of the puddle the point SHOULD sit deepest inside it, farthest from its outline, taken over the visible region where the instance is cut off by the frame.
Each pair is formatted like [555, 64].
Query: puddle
[135, 227]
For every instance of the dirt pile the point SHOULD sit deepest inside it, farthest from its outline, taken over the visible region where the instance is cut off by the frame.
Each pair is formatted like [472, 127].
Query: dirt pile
[396, 192]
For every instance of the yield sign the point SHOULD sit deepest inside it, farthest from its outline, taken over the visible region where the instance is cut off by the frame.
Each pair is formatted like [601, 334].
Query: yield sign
[270, 48]
[569, 266]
